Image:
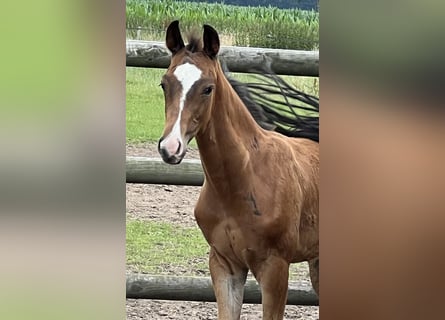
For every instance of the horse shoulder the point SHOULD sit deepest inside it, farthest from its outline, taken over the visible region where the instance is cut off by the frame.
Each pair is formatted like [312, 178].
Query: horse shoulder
[207, 211]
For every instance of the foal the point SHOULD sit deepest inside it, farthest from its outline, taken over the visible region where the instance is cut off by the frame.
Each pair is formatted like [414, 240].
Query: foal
[258, 207]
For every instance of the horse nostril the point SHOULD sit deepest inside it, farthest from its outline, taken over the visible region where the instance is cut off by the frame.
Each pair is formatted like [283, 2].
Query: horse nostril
[179, 147]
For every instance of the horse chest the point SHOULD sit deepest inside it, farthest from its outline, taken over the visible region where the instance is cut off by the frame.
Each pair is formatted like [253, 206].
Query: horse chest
[237, 244]
[224, 233]
[236, 238]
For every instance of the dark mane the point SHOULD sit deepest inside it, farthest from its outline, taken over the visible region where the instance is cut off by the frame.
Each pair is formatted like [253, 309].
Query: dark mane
[276, 105]
[194, 42]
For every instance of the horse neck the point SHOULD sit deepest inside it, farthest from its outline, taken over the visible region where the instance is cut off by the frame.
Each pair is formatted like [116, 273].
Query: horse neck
[226, 143]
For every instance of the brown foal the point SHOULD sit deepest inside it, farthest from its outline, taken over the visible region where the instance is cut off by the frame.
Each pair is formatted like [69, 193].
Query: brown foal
[258, 207]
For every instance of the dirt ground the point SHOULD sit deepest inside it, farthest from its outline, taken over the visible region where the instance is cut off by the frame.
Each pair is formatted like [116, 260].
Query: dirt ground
[174, 204]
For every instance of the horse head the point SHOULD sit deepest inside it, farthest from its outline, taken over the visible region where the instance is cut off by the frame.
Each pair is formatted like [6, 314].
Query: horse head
[189, 86]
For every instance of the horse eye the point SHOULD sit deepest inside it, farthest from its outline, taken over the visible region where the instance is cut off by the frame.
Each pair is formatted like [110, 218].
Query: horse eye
[162, 86]
[207, 91]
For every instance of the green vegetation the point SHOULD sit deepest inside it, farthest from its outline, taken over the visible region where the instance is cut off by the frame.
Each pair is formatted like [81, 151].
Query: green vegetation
[286, 4]
[145, 104]
[266, 27]
[153, 246]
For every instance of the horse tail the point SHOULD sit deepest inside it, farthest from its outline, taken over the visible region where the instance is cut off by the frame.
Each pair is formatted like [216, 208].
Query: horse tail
[277, 105]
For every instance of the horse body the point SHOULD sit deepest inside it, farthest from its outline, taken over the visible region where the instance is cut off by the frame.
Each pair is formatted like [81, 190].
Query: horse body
[258, 207]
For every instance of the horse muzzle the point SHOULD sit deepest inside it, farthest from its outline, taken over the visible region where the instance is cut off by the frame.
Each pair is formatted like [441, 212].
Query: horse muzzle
[172, 150]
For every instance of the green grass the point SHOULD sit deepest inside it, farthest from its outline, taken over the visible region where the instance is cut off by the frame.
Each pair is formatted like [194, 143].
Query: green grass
[145, 104]
[153, 245]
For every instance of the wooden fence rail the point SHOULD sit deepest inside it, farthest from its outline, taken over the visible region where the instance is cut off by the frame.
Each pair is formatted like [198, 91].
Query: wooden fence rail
[155, 171]
[141, 286]
[152, 54]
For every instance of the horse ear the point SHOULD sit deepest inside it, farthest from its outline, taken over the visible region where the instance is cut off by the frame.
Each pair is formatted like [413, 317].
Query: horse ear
[211, 41]
[173, 39]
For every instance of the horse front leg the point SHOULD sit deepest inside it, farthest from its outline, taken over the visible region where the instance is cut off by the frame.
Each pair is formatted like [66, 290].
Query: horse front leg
[273, 277]
[313, 271]
[228, 284]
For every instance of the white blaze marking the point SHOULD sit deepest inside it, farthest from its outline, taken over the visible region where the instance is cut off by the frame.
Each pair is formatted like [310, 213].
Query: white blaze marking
[187, 74]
